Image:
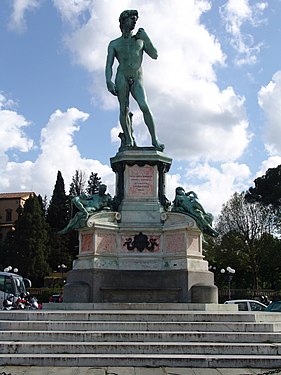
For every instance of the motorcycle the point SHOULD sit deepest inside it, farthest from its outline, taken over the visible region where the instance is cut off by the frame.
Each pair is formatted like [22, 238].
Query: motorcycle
[24, 302]
[30, 302]
[11, 303]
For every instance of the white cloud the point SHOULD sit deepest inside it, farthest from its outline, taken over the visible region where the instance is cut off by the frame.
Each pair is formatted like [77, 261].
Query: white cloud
[269, 98]
[271, 162]
[12, 127]
[181, 85]
[236, 14]
[6, 103]
[199, 120]
[20, 7]
[214, 185]
[57, 152]
[70, 10]
[58, 134]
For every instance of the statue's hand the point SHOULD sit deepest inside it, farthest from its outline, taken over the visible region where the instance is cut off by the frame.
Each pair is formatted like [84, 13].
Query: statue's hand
[111, 88]
[141, 34]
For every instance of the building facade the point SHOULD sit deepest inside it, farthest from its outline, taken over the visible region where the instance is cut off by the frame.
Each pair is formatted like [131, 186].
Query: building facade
[9, 208]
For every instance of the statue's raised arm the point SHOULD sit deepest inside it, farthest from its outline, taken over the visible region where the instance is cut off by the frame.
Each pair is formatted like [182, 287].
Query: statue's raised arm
[148, 46]
[128, 51]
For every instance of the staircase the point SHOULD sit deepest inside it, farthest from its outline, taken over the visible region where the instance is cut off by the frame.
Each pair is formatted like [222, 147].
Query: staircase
[154, 337]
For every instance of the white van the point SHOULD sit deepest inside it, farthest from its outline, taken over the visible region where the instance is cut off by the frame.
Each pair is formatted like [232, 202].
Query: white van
[11, 283]
[247, 304]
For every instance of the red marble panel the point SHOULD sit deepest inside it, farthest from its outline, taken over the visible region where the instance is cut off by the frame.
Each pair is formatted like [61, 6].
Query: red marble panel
[105, 243]
[86, 243]
[174, 243]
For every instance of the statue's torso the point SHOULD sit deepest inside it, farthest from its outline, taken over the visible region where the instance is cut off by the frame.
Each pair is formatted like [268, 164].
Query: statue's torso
[129, 53]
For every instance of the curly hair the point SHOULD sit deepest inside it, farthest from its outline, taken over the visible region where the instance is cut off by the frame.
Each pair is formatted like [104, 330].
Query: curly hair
[126, 14]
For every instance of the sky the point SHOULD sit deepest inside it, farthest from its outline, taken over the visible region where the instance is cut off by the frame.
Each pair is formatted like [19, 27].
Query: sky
[215, 92]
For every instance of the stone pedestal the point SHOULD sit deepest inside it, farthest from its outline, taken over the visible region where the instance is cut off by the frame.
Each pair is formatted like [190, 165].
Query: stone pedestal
[142, 252]
[140, 184]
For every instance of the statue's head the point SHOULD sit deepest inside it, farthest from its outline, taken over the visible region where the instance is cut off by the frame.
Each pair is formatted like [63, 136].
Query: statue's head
[102, 188]
[180, 190]
[125, 15]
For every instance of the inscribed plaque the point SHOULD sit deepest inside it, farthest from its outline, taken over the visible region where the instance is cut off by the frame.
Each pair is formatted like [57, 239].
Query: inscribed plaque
[141, 181]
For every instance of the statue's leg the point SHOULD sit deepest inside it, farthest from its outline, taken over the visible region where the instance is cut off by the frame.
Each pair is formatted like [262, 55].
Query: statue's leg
[124, 118]
[71, 225]
[138, 94]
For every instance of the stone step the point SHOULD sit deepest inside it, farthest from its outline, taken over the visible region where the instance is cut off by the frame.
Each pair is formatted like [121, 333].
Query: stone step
[139, 326]
[141, 336]
[141, 360]
[140, 316]
[109, 306]
[185, 348]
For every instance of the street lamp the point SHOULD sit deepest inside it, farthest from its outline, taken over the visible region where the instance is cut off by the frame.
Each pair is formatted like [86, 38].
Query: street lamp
[10, 268]
[229, 273]
[62, 267]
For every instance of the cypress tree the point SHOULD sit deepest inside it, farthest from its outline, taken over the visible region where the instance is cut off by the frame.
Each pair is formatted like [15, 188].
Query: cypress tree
[93, 183]
[43, 203]
[58, 210]
[31, 242]
[58, 216]
[78, 184]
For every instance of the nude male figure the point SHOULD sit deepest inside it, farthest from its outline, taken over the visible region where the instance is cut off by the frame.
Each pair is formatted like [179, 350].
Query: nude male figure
[128, 50]
[88, 205]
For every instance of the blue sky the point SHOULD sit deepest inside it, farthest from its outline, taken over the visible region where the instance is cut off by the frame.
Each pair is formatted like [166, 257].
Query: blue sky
[215, 92]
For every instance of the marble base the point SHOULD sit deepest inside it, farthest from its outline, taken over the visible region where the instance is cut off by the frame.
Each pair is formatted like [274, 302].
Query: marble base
[139, 286]
[142, 252]
[162, 264]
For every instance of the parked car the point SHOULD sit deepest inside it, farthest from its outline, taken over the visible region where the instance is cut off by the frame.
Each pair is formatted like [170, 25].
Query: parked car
[56, 298]
[248, 304]
[274, 307]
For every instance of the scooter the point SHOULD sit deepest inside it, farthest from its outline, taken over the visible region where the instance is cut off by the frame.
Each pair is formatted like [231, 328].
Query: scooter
[12, 303]
[25, 301]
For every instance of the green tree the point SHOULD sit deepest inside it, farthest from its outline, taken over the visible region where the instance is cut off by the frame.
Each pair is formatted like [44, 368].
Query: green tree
[223, 252]
[58, 211]
[78, 184]
[43, 203]
[242, 227]
[31, 242]
[58, 215]
[93, 183]
[5, 252]
[267, 189]
[77, 187]
[270, 272]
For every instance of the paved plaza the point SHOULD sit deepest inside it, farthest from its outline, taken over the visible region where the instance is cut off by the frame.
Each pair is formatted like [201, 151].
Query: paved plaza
[32, 370]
